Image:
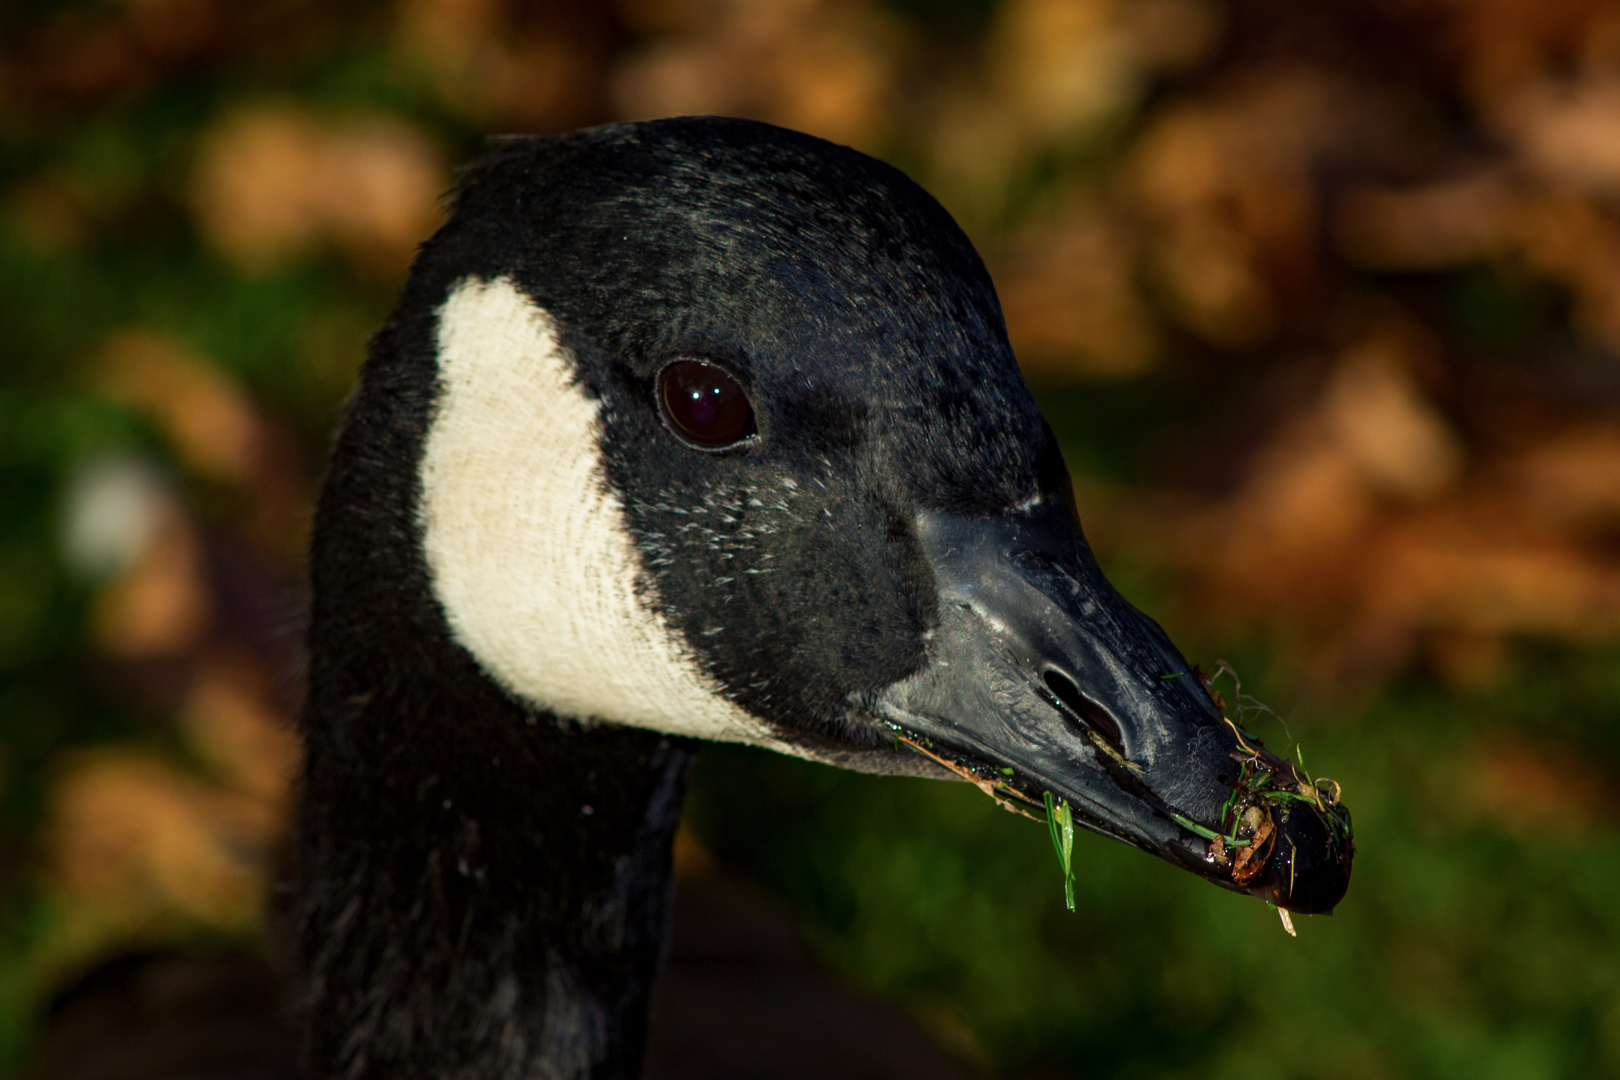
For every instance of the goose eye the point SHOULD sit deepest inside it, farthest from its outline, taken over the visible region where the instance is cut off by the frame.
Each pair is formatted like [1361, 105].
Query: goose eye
[705, 405]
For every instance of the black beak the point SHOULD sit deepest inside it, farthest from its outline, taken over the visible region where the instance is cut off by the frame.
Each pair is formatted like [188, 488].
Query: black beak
[1045, 685]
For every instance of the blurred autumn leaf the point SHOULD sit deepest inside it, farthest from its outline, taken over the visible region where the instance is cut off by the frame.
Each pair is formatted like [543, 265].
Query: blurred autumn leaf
[272, 182]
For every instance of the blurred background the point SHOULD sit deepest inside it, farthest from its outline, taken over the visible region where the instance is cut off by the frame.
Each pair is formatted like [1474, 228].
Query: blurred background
[1322, 299]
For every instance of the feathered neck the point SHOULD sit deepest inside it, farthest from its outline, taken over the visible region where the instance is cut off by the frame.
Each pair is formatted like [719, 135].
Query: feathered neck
[482, 888]
[482, 893]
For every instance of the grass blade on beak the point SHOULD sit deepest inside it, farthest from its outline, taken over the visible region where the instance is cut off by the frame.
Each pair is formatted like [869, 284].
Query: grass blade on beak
[1060, 819]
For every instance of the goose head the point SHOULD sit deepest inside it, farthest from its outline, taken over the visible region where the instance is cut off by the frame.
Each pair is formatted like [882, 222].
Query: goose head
[708, 430]
[728, 442]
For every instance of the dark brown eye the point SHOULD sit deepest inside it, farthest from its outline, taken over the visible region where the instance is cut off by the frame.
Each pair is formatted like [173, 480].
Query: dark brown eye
[704, 404]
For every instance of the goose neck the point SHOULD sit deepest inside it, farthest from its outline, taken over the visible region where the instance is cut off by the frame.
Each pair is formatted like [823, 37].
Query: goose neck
[483, 890]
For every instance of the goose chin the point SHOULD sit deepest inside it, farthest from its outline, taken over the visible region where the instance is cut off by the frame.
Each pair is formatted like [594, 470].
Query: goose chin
[1043, 685]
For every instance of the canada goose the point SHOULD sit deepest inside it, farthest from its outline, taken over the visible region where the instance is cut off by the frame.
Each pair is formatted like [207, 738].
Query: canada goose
[687, 430]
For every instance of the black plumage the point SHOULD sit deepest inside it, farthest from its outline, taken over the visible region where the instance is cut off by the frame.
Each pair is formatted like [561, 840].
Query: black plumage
[483, 885]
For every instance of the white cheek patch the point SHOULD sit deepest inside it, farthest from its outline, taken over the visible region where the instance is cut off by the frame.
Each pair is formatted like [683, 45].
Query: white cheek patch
[526, 542]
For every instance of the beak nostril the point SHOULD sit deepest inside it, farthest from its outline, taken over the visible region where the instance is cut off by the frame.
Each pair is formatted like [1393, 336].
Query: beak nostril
[1087, 711]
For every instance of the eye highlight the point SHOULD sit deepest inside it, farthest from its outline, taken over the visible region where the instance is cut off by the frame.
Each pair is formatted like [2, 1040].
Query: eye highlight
[704, 405]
